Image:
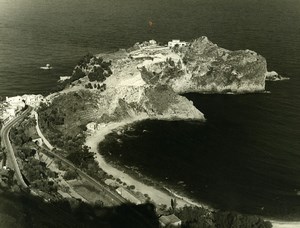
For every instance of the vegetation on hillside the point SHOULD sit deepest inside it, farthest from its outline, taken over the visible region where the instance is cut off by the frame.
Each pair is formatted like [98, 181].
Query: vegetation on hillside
[25, 210]
[67, 114]
[198, 217]
[70, 137]
[96, 68]
[34, 169]
[162, 72]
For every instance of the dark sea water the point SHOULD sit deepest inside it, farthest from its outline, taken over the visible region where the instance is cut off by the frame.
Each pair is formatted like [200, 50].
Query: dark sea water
[246, 157]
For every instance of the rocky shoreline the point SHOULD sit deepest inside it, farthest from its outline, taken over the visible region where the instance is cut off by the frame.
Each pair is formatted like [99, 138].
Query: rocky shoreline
[109, 91]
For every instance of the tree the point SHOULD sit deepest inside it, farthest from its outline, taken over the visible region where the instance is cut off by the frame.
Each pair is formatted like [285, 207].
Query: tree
[70, 174]
[77, 74]
[173, 204]
[89, 86]
[233, 219]
[97, 75]
[85, 60]
[2, 152]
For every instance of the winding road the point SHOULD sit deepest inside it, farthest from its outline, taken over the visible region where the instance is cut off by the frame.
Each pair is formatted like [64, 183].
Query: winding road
[115, 198]
[7, 144]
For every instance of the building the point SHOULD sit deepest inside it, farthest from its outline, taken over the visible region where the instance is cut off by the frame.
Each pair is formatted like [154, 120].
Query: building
[169, 220]
[91, 127]
[16, 102]
[20, 101]
[126, 194]
[33, 100]
[152, 42]
[38, 141]
[173, 43]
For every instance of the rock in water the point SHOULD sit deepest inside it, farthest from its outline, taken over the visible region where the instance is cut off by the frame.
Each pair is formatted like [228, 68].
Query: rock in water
[274, 76]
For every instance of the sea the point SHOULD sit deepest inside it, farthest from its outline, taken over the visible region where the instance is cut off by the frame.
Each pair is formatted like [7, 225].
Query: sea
[245, 157]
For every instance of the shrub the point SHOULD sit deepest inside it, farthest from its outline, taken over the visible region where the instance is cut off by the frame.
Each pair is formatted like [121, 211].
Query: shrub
[85, 60]
[77, 74]
[98, 60]
[70, 175]
[97, 75]
[132, 187]
[233, 219]
[89, 86]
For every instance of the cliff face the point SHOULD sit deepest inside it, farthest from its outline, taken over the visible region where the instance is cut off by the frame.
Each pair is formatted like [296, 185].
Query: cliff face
[122, 100]
[204, 67]
[214, 69]
[144, 82]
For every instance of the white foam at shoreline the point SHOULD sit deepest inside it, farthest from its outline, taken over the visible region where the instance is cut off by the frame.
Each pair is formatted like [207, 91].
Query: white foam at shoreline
[158, 196]
[285, 224]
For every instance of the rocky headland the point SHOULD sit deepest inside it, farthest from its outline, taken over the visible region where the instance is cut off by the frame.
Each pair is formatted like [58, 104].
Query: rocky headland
[145, 82]
[108, 91]
[201, 66]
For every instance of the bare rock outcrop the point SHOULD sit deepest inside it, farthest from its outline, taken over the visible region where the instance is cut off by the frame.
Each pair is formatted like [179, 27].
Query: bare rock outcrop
[145, 82]
[203, 67]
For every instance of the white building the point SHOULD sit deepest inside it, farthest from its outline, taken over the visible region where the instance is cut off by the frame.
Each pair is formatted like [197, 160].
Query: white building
[178, 43]
[16, 101]
[20, 101]
[170, 220]
[152, 42]
[91, 127]
[38, 141]
[33, 100]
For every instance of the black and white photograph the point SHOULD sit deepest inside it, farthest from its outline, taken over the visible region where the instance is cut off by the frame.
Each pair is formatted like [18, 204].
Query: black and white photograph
[150, 113]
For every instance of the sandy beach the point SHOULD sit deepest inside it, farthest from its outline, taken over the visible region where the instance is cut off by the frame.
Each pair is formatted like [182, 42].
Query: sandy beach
[284, 224]
[157, 196]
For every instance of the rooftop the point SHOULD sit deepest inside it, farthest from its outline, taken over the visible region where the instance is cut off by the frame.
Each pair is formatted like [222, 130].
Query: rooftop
[169, 219]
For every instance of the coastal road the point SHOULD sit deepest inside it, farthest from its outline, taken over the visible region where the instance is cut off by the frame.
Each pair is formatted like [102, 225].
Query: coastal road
[7, 144]
[115, 198]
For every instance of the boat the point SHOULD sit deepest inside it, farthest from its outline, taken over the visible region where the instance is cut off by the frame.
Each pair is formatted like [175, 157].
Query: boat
[47, 67]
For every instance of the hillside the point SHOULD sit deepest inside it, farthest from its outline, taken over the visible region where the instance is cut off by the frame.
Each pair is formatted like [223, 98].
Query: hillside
[144, 81]
[109, 91]
[24, 210]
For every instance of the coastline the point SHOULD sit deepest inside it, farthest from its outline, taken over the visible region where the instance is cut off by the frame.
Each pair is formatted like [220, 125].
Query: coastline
[285, 224]
[158, 196]
[161, 195]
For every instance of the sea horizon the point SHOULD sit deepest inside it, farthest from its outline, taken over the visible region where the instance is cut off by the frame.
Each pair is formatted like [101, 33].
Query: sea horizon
[245, 157]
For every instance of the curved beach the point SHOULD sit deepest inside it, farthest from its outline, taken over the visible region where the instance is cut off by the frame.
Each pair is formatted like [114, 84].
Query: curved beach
[159, 197]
